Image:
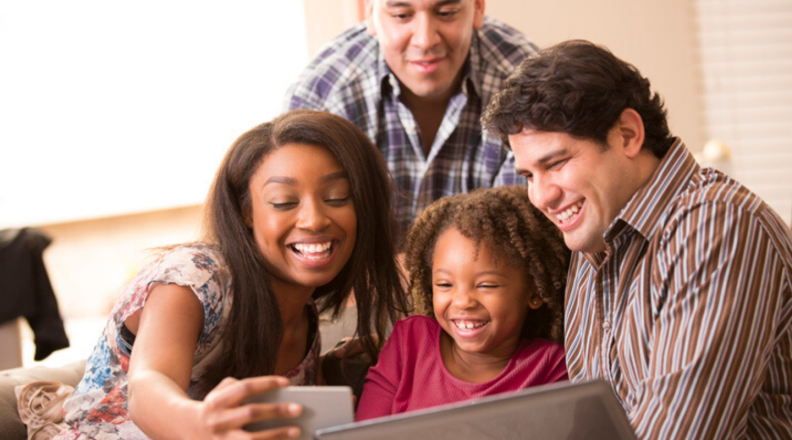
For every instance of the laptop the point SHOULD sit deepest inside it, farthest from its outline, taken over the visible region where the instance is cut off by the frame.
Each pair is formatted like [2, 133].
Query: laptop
[564, 411]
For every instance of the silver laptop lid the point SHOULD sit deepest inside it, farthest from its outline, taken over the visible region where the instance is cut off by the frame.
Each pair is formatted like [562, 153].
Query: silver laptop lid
[558, 411]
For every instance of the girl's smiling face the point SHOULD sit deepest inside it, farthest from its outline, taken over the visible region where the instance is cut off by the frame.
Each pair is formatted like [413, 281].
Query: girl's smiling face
[302, 216]
[480, 303]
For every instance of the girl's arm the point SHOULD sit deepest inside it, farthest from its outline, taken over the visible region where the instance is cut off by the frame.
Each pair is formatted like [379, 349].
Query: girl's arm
[161, 367]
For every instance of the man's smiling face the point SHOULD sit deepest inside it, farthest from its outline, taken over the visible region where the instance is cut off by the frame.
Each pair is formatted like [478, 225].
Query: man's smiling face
[425, 42]
[579, 184]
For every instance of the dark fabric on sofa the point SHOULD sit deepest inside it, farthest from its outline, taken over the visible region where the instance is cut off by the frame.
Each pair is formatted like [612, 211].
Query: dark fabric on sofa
[26, 288]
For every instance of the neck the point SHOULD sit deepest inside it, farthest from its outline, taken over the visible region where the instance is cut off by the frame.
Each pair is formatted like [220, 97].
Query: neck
[476, 367]
[428, 111]
[291, 301]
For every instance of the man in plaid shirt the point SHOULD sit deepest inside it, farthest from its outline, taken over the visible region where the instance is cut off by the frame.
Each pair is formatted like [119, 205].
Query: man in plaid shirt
[416, 77]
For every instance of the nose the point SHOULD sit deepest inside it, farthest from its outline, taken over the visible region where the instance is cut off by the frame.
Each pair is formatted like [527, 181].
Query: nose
[543, 193]
[425, 34]
[463, 298]
[312, 217]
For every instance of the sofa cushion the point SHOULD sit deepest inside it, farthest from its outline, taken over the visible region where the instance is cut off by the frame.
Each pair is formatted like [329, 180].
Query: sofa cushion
[11, 427]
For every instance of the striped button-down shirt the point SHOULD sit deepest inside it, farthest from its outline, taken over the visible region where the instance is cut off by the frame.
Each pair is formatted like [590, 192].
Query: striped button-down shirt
[350, 78]
[687, 313]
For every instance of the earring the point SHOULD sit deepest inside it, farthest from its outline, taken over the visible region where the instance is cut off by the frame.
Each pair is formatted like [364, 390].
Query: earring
[536, 301]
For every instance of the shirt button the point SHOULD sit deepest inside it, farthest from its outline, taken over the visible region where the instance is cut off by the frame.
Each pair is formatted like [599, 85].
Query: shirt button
[606, 326]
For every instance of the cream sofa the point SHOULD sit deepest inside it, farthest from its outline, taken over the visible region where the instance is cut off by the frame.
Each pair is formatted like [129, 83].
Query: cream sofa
[11, 427]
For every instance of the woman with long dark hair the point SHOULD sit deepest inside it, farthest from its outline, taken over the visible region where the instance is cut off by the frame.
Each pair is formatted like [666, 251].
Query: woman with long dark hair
[299, 216]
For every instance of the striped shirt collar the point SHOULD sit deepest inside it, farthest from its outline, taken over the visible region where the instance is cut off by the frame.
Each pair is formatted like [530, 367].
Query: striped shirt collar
[646, 209]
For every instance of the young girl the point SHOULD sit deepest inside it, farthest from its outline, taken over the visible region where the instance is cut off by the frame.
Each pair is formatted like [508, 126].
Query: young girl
[487, 273]
[299, 216]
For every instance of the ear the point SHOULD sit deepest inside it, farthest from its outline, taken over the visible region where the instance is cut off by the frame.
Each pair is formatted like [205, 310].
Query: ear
[478, 13]
[630, 132]
[535, 301]
[372, 30]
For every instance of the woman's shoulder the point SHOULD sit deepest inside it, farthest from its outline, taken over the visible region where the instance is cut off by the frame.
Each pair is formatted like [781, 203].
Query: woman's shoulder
[189, 264]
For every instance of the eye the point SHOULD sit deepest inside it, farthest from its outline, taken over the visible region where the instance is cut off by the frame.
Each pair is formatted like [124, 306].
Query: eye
[400, 15]
[338, 201]
[488, 286]
[557, 164]
[283, 206]
[443, 285]
[447, 13]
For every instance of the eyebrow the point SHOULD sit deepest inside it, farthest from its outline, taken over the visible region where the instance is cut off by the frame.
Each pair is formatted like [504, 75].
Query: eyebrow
[293, 182]
[544, 159]
[402, 3]
[486, 272]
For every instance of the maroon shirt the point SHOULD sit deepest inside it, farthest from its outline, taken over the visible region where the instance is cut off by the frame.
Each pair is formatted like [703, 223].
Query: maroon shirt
[410, 374]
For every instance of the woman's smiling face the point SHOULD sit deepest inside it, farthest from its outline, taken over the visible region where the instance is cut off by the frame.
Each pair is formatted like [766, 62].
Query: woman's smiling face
[302, 216]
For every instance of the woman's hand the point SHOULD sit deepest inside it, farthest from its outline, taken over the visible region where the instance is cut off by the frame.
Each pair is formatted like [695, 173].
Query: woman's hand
[223, 413]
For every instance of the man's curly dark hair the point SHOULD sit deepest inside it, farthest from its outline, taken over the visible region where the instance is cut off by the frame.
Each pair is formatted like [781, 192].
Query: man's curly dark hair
[580, 89]
[504, 220]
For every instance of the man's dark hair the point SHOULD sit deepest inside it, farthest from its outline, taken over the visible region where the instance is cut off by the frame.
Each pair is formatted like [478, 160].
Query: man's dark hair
[581, 89]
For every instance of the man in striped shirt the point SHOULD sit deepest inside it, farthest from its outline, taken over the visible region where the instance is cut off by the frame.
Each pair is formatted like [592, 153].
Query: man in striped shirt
[679, 289]
[416, 77]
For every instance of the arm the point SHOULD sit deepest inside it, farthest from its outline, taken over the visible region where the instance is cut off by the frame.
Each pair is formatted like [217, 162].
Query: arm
[160, 370]
[717, 286]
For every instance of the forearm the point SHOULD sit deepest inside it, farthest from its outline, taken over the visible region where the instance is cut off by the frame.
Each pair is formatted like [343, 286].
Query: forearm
[160, 408]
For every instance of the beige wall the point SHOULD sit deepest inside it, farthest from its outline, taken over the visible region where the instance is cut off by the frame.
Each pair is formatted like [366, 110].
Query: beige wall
[89, 261]
[325, 19]
[658, 37]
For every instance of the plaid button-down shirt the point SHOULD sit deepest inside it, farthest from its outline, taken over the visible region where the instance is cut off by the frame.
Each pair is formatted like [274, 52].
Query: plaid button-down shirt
[350, 78]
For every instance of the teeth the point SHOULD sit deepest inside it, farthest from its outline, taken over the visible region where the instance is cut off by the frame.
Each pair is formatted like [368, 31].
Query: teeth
[310, 250]
[566, 215]
[469, 325]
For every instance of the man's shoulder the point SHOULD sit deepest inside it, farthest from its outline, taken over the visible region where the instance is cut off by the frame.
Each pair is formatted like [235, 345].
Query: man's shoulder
[710, 193]
[503, 46]
[344, 61]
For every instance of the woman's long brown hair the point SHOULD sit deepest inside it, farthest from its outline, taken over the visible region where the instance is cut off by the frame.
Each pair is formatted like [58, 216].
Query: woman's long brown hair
[255, 328]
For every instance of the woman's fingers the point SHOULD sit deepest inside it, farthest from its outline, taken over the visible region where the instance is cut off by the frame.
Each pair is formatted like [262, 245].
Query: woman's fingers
[232, 392]
[276, 434]
[236, 418]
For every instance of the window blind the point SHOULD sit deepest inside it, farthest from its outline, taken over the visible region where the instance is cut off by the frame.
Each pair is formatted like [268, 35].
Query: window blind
[746, 62]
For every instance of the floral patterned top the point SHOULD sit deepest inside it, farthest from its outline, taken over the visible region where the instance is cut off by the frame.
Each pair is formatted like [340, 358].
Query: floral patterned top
[97, 409]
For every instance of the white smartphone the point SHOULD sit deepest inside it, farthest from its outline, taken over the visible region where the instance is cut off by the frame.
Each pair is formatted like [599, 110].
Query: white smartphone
[323, 407]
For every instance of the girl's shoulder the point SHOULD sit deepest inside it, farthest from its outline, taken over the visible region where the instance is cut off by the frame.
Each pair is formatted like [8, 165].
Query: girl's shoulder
[541, 352]
[416, 323]
[413, 330]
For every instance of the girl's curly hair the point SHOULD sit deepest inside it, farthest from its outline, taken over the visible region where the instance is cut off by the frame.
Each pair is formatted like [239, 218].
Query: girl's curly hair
[504, 220]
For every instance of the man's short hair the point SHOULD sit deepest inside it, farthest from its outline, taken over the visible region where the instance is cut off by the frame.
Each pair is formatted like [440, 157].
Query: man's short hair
[578, 88]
